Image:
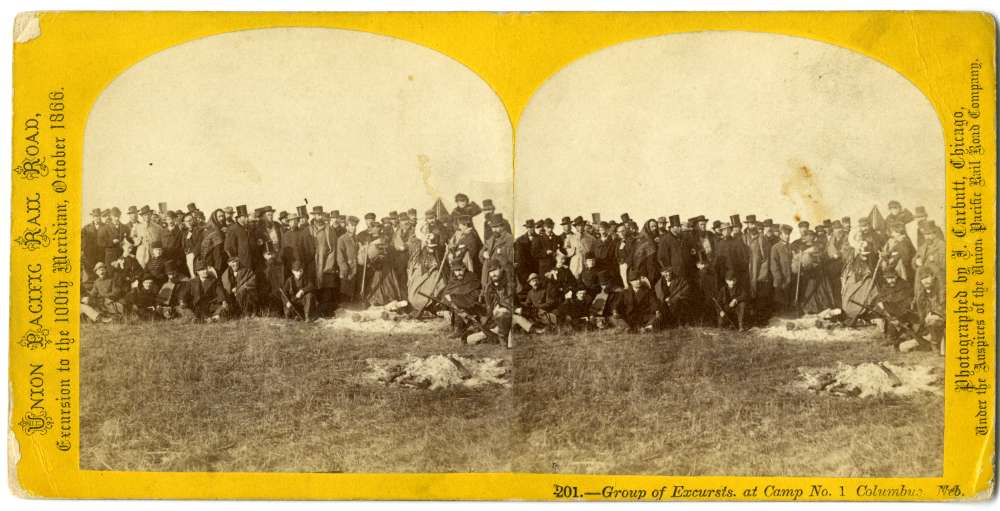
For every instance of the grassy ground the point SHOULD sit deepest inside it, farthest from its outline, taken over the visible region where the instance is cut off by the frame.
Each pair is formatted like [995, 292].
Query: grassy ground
[273, 396]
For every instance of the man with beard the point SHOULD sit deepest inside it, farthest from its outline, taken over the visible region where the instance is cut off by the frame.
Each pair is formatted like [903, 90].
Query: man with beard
[636, 308]
[782, 279]
[212, 251]
[238, 242]
[173, 239]
[898, 214]
[894, 299]
[626, 245]
[673, 252]
[499, 246]
[240, 285]
[674, 296]
[544, 247]
[898, 252]
[524, 261]
[191, 241]
[500, 297]
[489, 210]
[462, 291]
[760, 274]
[347, 261]
[930, 305]
[733, 252]
[541, 302]
[464, 246]
[643, 256]
[815, 292]
[103, 302]
[203, 297]
[866, 232]
[605, 249]
[326, 277]
[798, 245]
[931, 255]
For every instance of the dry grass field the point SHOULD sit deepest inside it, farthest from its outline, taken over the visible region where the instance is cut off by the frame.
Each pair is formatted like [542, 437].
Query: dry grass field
[266, 395]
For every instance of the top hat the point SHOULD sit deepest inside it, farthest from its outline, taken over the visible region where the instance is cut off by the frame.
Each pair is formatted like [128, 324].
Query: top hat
[241, 210]
[316, 210]
[734, 219]
[751, 219]
[625, 218]
[919, 212]
[192, 207]
[488, 204]
[675, 220]
[303, 211]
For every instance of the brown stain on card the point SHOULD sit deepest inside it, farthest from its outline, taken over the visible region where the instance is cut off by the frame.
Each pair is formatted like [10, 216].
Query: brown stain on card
[424, 166]
[802, 188]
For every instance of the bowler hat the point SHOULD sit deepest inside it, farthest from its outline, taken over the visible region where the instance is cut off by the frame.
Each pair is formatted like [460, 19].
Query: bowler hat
[803, 224]
[550, 222]
[920, 212]
[353, 220]
[132, 209]
[716, 224]
[145, 210]
[296, 265]
[370, 216]
[533, 276]
[529, 223]
[578, 221]
[488, 204]
[626, 218]
[565, 221]
[461, 197]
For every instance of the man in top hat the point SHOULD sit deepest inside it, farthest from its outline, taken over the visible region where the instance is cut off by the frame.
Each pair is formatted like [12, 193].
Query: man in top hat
[799, 243]
[605, 250]
[576, 244]
[913, 228]
[524, 262]
[238, 241]
[704, 242]
[172, 239]
[111, 235]
[194, 233]
[327, 275]
[672, 251]
[488, 211]
[544, 246]
[147, 233]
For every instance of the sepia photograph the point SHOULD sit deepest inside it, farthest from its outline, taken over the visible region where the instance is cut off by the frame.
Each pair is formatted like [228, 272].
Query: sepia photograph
[712, 253]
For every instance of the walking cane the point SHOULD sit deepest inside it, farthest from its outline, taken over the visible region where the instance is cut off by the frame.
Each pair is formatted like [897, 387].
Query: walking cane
[364, 275]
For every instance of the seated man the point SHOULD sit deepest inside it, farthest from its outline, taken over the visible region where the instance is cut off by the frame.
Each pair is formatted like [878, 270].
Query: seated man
[590, 276]
[240, 285]
[560, 277]
[140, 303]
[575, 310]
[894, 299]
[299, 294]
[636, 307]
[462, 291]
[604, 303]
[674, 296]
[732, 298]
[501, 303]
[127, 268]
[157, 264]
[930, 305]
[270, 283]
[541, 301]
[103, 302]
[203, 297]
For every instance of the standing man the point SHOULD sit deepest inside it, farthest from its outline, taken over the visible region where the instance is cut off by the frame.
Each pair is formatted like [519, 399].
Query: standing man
[577, 244]
[499, 246]
[672, 252]
[780, 262]
[327, 275]
[238, 243]
[110, 236]
[347, 261]
[524, 261]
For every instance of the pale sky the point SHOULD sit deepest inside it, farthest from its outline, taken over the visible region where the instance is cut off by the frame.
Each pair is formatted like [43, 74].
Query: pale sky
[719, 123]
[710, 123]
[349, 120]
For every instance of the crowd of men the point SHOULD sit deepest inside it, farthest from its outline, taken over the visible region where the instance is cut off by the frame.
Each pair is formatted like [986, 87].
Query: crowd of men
[592, 274]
